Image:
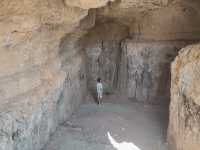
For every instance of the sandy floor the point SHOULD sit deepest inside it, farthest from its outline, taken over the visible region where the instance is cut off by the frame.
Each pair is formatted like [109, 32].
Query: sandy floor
[142, 125]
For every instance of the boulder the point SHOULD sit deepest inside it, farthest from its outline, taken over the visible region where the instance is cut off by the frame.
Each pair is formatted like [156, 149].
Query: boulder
[184, 123]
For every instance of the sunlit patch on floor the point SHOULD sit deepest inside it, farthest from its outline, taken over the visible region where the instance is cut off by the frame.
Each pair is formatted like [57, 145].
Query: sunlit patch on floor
[123, 145]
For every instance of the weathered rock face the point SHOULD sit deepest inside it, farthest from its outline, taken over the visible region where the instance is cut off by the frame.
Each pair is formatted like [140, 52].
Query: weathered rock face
[158, 29]
[46, 48]
[38, 88]
[184, 126]
[102, 45]
[87, 4]
[148, 69]
[156, 19]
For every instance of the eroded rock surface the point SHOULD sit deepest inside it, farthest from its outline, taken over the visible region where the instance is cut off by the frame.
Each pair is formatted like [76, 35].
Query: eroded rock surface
[42, 60]
[32, 75]
[156, 19]
[184, 126]
[156, 31]
[148, 69]
[87, 4]
[102, 45]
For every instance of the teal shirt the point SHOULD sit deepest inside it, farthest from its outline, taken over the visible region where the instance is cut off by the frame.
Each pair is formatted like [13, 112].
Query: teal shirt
[99, 87]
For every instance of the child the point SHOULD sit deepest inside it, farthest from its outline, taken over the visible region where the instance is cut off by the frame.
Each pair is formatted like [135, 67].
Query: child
[99, 90]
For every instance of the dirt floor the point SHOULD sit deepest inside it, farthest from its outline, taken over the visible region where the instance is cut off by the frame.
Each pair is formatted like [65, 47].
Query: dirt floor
[129, 124]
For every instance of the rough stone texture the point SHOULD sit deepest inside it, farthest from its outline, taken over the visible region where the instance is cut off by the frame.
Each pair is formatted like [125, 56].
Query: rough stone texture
[146, 69]
[165, 26]
[73, 63]
[140, 70]
[86, 4]
[178, 21]
[156, 19]
[103, 49]
[184, 126]
[42, 72]
[37, 92]
[162, 28]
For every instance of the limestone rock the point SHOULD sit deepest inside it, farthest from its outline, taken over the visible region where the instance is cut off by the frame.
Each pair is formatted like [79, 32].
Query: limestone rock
[156, 19]
[86, 4]
[171, 23]
[148, 67]
[184, 125]
[32, 77]
[103, 49]
[42, 60]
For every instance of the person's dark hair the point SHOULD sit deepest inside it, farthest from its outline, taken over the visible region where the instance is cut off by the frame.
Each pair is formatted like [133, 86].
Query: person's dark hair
[98, 79]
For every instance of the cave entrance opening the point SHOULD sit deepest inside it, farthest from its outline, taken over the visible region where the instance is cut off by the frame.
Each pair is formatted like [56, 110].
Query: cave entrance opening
[136, 69]
[136, 75]
[103, 49]
[133, 71]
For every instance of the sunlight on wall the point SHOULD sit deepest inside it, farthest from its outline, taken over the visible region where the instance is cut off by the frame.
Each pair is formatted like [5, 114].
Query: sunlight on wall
[122, 145]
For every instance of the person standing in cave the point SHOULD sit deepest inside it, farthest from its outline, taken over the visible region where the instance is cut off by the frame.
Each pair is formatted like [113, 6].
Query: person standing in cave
[99, 90]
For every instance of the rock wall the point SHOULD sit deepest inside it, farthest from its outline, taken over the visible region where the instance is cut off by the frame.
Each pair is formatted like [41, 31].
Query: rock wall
[102, 45]
[42, 57]
[184, 125]
[73, 63]
[145, 74]
[178, 21]
[138, 64]
[38, 88]
[156, 19]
